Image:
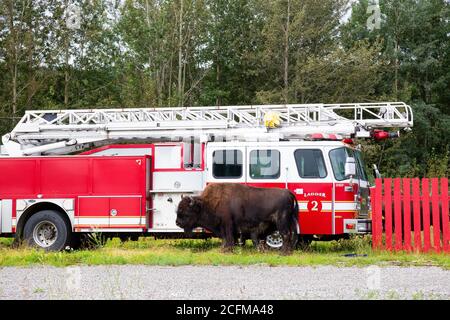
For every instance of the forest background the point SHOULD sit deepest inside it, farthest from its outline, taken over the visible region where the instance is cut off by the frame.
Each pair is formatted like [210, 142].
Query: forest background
[58, 54]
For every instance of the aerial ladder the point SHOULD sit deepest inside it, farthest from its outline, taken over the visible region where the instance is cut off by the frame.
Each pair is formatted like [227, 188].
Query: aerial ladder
[46, 132]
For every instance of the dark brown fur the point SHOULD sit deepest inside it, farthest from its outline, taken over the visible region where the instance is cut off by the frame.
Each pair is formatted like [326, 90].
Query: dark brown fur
[229, 209]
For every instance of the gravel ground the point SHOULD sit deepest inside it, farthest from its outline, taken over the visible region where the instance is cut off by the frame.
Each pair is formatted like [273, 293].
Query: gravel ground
[211, 282]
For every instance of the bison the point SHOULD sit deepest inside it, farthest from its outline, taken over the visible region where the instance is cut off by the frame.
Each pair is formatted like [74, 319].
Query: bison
[229, 209]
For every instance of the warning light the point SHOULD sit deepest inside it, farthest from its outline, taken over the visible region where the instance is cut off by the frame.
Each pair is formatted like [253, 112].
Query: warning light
[348, 141]
[323, 136]
[350, 226]
[272, 119]
[380, 135]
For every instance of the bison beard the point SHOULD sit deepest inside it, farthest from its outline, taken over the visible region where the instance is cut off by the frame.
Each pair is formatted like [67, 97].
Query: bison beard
[229, 209]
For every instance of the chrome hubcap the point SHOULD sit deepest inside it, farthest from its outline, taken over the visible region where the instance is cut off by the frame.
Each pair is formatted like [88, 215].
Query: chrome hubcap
[274, 240]
[45, 234]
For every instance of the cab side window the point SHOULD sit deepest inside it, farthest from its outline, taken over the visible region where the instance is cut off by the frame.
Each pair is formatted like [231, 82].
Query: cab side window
[227, 164]
[264, 164]
[310, 163]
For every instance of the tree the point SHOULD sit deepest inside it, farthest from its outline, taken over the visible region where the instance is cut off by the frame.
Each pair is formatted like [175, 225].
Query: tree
[417, 73]
[162, 40]
[295, 31]
[232, 56]
[340, 76]
[415, 41]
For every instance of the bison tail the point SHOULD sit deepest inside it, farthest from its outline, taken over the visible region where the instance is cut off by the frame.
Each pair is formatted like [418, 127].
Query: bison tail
[295, 210]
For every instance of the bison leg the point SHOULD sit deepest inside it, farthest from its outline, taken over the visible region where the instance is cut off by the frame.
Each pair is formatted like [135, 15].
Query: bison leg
[228, 238]
[255, 240]
[258, 242]
[284, 227]
[287, 244]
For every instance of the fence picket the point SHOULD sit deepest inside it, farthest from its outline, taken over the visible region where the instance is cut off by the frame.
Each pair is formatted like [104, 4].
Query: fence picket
[388, 213]
[407, 213]
[426, 214]
[436, 214]
[416, 205]
[445, 213]
[397, 214]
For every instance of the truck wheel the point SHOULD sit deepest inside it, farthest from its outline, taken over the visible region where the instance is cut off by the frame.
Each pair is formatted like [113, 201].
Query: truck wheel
[47, 229]
[274, 240]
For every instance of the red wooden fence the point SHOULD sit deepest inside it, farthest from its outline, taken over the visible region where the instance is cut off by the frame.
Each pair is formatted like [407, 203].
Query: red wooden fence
[405, 209]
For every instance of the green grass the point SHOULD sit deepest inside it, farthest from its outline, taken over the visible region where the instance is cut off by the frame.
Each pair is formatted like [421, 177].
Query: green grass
[208, 252]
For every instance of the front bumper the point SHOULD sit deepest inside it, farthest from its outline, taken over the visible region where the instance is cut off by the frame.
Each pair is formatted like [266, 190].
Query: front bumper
[358, 226]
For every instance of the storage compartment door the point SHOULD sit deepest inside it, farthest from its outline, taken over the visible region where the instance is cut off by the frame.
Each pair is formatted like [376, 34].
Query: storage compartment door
[93, 212]
[125, 212]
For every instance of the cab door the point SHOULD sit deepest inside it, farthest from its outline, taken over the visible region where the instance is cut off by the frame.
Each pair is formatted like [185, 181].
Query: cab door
[310, 179]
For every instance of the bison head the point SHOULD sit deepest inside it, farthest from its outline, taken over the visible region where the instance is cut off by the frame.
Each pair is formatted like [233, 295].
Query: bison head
[188, 212]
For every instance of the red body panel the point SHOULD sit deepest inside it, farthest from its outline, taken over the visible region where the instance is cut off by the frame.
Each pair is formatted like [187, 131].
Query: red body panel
[18, 177]
[97, 185]
[60, 177]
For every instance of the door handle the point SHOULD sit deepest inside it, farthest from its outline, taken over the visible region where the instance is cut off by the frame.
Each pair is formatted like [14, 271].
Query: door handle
[113, 212]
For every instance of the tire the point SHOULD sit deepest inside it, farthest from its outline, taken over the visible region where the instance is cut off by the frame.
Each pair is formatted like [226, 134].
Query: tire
[274, 241]
[48, 230]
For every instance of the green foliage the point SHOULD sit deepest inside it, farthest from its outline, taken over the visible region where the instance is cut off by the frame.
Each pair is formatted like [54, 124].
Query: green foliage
[299, 35]
[232, 52]
[153, 53]
[342, 75]
[438, 165]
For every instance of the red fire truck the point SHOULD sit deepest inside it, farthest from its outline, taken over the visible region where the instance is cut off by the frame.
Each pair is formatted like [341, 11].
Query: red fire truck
[118, 187]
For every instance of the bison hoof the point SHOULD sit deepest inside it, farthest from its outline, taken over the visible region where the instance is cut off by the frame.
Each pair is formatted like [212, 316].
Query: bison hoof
[227, 249]
[261, 246]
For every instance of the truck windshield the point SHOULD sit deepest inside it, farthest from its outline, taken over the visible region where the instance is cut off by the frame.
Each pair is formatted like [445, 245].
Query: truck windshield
[338, 157]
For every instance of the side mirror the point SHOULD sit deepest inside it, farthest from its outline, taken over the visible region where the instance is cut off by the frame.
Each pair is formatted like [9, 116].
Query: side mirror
[376, 172]
[350, 167]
